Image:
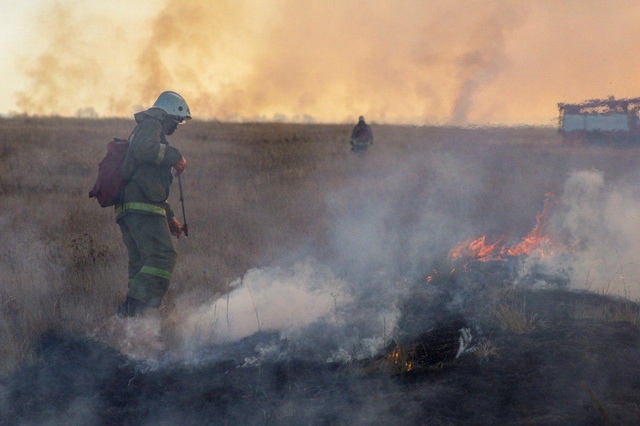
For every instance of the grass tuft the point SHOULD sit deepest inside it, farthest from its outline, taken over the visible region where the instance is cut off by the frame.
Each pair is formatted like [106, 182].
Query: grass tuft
[615, 311]
[485, 349]
[511, 314]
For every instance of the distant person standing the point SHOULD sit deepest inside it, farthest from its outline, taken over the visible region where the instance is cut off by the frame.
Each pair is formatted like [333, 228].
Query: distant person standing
[143, 214]
[361, 137]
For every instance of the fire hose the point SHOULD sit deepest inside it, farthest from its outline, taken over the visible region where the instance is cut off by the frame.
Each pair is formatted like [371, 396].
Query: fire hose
[185, 227]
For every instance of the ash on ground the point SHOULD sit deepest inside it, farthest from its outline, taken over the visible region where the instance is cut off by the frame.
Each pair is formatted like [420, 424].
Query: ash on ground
[468, 349]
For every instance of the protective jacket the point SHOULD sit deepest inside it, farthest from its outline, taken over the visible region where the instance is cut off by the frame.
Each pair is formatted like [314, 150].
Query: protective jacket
[144, 212]
[362, 134]
[147, 170]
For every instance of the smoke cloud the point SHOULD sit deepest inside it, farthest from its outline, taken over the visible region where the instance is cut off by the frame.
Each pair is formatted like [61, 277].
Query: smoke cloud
[389, 227]
[272, 299]
[409, 61]
[600, 222]
[304, 304]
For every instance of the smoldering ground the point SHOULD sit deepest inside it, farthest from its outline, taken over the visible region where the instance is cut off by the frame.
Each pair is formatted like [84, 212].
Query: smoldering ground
[355, 317]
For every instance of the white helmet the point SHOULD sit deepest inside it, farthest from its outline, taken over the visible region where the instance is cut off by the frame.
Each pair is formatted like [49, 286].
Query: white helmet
[174, 105]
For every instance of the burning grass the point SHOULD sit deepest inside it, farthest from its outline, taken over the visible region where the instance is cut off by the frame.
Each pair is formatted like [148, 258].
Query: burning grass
[538, 239]
[260, 195]
[503, 376]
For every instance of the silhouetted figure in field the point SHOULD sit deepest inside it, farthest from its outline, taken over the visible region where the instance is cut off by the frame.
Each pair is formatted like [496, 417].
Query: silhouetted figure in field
[145, 218]
[361, 137]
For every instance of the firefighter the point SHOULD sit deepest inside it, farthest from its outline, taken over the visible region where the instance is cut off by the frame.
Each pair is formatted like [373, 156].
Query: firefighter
[144, 216]
[361, 137]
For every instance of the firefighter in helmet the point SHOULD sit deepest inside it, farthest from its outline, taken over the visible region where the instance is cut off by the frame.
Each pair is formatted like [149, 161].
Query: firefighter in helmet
[143, 214]
[361, 137]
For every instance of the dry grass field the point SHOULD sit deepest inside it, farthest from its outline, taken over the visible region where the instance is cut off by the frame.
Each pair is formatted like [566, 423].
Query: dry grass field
[255, 194]
[262, 195]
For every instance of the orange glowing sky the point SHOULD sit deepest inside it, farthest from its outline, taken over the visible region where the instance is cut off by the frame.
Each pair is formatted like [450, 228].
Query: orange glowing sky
[394, 61]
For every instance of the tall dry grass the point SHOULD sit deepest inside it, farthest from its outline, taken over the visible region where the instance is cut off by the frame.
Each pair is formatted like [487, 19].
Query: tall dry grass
[254, 194]
[248, 194]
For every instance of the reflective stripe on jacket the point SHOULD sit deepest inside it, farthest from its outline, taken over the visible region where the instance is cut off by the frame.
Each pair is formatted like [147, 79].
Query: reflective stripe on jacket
[145, 208]
[147, 170]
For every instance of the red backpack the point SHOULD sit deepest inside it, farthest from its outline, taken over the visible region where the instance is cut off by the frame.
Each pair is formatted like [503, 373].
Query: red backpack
[109, 181]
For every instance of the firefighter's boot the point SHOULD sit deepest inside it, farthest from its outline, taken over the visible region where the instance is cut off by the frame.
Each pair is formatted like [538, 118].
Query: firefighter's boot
[131, 308]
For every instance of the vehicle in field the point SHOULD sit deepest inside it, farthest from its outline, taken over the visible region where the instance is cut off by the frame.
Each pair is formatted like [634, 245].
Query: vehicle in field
[600, 121]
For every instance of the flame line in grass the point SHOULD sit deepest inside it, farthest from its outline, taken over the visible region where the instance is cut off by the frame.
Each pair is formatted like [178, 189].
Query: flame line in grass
[479, 249]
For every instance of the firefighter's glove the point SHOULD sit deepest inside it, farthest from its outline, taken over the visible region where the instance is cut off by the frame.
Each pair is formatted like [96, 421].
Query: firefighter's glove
[175, 227]
[178, 168]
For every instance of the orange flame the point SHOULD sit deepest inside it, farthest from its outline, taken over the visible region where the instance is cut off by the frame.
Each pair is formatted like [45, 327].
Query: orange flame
[401, 359]
[479, 249]
[535, 239]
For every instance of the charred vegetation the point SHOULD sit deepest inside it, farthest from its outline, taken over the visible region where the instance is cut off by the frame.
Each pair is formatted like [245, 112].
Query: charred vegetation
[389, 326]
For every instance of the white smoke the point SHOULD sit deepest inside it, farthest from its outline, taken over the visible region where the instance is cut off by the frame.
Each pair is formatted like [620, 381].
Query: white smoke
[269, 299]
[604, 225]
[305, 305]
[597, 224]
[346, 311]
[583, 200]
[391, 224]
[139, 338]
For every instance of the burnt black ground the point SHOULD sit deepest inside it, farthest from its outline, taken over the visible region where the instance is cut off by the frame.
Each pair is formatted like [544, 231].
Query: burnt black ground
[566, 371]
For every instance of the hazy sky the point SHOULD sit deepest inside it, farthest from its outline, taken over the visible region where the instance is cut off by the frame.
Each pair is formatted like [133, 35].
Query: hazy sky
[407, 61]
